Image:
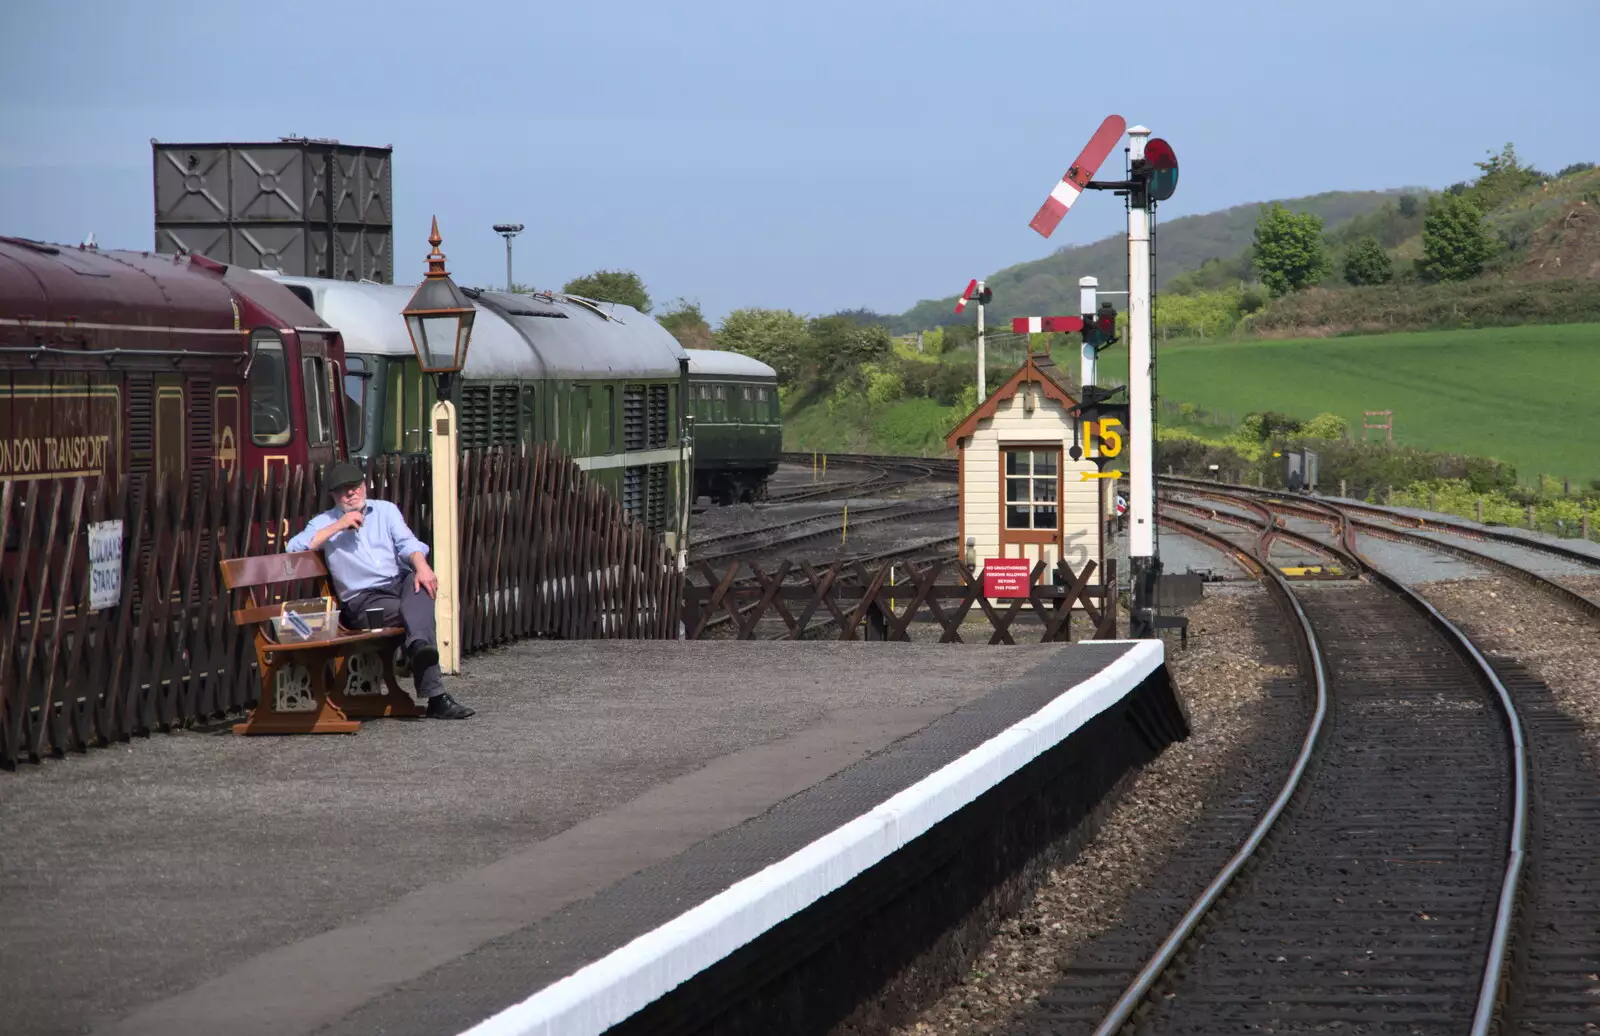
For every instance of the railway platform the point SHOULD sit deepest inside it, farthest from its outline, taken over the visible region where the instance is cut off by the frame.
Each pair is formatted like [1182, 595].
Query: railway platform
[624, 827]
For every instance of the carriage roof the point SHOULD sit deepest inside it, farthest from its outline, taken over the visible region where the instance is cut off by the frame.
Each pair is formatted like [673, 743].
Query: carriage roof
[584, 338]
[715, 362]
[368, 317]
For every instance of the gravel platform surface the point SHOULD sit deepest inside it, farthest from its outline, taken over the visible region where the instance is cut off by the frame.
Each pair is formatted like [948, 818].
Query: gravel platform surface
[1239, 681]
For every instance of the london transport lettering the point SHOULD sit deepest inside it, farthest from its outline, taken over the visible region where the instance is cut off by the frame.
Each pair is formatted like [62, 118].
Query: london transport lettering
[49, 455]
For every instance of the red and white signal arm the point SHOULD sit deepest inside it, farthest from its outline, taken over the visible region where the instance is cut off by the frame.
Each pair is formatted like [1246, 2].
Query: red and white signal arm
[1041, 325]
[972, 286]
[1077, 177]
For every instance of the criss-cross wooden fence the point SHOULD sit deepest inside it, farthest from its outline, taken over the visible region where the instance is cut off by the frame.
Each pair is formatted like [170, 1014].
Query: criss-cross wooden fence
[545, 552]
[876, 605]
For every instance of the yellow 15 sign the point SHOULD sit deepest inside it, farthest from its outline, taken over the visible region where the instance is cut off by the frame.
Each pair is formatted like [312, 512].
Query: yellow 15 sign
[1104, 435]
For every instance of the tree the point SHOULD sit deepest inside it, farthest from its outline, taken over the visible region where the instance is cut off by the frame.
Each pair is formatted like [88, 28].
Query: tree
[622, 286]
[1289, 251]
[776, 337]
[1503, 177]
[1408, 206]
[1367, 263]
[684, 321]
[837, 348]
[1455, 243]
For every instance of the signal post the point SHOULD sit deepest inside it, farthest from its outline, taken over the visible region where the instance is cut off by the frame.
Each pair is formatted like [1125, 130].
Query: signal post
[1152, 177]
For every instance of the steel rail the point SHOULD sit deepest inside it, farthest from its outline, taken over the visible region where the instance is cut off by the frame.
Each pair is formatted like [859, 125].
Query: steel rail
[1391, 515]
[723, 537]
[1494, 970]
[838, 526]
[1151, 973]
[1516, 850]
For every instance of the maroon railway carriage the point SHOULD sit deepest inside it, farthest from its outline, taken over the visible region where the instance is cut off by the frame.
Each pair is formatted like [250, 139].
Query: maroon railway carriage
[135, 362]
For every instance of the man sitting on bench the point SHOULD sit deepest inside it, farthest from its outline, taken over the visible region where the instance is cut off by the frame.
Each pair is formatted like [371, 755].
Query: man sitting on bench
[363, 543]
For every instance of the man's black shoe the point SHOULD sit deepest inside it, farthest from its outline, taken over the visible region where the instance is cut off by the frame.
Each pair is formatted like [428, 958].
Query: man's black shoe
[422, 656]
[442, 706]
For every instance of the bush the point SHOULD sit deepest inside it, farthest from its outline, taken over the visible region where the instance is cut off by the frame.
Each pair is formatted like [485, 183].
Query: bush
[1327, 426]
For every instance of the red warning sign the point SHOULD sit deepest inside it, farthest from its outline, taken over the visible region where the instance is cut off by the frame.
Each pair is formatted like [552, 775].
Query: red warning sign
[1007, 577]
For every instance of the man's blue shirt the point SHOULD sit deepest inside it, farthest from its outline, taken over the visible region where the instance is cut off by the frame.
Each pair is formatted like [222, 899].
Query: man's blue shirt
[360, 559]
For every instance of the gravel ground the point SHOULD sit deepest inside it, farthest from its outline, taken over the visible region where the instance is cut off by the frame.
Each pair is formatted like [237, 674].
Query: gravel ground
[1225, 679]
[1507, 618]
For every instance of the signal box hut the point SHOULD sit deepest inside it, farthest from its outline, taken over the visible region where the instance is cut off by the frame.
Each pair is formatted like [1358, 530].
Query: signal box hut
[1021, 493]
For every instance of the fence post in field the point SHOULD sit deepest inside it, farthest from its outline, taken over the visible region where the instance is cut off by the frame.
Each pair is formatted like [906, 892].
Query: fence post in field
[1530, 516]
[1342, 488]
[1433, 500]
[1586, 525]
[1477, 507]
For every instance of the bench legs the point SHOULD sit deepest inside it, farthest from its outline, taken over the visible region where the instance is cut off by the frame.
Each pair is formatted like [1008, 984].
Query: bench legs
[364, 686]
[306, 676]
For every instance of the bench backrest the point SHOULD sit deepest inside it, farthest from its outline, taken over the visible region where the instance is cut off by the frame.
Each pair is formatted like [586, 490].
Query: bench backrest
[261, 573]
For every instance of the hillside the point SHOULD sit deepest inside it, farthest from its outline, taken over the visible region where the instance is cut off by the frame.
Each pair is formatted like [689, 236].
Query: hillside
[1184, 244]
[1544, 235]
[1506, 393]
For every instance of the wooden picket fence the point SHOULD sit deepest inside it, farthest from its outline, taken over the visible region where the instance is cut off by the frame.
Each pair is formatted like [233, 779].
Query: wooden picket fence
[850, 597]
[545, 553]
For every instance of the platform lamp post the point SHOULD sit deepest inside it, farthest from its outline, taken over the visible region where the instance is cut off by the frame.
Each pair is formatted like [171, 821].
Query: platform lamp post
[508, 231]
[439, 318]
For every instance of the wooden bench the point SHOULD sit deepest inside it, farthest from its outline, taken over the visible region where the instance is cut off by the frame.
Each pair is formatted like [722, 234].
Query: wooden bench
[316, 686]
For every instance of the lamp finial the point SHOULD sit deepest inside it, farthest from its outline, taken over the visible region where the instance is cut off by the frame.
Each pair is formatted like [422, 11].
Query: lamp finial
[435, 257]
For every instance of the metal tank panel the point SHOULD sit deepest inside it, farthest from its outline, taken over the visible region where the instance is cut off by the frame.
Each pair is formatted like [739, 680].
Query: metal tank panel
[581, 343]
[306, 207]
[712, 362]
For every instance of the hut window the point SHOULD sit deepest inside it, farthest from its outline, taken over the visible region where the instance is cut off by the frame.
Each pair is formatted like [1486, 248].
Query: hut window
[1032, 489]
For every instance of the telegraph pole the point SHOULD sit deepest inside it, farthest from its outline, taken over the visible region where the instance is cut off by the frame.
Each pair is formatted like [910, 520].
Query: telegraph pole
[508, 231]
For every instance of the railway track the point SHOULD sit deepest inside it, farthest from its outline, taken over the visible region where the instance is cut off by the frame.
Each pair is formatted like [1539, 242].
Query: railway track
[1379, 887]
[747, 542]
[882, 473]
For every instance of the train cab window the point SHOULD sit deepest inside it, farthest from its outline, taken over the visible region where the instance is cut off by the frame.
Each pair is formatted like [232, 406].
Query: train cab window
[319, 408]
[357, 374]
[719, 407]
[269, 391]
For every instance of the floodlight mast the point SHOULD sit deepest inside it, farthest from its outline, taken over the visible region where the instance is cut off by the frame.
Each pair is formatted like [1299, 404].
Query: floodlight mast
[508, 231]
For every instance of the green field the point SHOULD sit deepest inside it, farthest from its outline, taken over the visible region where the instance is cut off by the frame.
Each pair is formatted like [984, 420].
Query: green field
[1526, 395]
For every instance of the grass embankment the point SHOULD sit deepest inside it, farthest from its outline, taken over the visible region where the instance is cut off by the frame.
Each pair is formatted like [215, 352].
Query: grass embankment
[1526, 395]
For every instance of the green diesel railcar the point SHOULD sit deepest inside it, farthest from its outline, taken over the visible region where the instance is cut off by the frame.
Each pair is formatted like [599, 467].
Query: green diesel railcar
[603, 381]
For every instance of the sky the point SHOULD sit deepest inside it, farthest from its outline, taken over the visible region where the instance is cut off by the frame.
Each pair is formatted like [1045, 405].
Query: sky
[813, 156]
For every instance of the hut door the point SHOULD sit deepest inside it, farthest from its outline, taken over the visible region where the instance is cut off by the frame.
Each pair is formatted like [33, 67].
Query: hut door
[1030, 502]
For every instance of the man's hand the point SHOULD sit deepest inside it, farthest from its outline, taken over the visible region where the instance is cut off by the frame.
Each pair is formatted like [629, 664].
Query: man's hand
[426, 580]
[348, 520]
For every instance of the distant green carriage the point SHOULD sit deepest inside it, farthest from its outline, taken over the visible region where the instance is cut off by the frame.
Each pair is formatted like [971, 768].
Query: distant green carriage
[738, 426]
